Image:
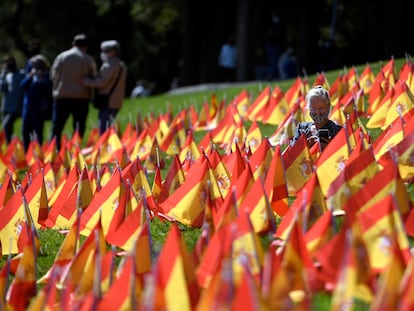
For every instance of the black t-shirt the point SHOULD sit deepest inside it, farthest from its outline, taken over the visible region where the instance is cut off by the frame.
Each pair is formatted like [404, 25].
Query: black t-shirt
[305, 129]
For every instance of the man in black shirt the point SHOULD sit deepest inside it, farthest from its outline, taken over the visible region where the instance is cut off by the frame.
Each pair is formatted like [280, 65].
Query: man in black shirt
[322, 129]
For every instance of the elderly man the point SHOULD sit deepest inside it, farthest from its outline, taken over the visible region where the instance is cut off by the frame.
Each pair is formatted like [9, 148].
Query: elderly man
[322, 129]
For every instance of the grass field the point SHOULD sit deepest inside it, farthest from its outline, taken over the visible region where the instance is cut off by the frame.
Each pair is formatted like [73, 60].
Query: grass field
[51, 239]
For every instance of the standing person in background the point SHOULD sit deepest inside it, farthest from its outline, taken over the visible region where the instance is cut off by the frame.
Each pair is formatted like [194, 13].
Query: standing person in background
[111, 76]
[228, 60]
[32, 50]
[12, 99]
[71, 96]
[38, 96]
[275, 36]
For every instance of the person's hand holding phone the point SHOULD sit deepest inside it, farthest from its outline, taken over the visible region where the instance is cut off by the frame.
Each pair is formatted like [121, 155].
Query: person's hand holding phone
[324, 136]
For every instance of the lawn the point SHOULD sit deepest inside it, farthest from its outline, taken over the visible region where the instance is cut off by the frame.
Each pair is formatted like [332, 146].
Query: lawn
[159, 104]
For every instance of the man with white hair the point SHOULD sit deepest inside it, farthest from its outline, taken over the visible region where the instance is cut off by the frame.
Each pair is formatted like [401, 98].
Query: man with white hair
[321, 129]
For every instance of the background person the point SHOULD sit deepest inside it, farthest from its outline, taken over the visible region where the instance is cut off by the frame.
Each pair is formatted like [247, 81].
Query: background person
[228, 60]
[113, 71]
[33, 48]
[12, 99]
[38, 95]
[71, 96]
[321, 128]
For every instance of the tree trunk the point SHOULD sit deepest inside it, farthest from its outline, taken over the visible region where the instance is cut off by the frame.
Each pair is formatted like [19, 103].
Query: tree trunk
[243, 40]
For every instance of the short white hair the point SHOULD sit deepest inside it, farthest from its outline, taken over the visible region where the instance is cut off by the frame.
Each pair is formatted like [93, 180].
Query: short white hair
[320, 92]
[110, 45]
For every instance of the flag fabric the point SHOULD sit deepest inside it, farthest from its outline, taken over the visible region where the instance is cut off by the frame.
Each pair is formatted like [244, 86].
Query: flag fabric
[175, 138]
[16, 153]
[375, 97]
[154, 158]
[189, 149]
[175, 275]
[333, 158]
[67, 251]
[351, 178]
[402, 154]
[389, 138]
[130, 228]
[378, 223]
[385, 182]
[299, 87]
[120, 295]
[23, 286]
[248, 295]
[186, 204]
[7, 189]
[36, 197]
[402, 103]
[260, 160]
[366, 79]
[141, 146]
[235, 163]
[406, 300]
[320, 232]
[355, 280]
[379, 112]
[66, 191]
[242, 103]
[237, 242]
[80, 272]
[277, 109]
[256, 111]
[135, 174]
[256, 204]
[108, 148]
[298, 165]
[228, 211]
[276, 185]
[220, 171]
[13, 217]
[387, 294]
[174, 179]
[104, 205]
[253, 136]
[290, 284]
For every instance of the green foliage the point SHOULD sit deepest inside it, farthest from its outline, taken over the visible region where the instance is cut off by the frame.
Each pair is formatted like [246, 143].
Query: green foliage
[50, 242]
[159, 231]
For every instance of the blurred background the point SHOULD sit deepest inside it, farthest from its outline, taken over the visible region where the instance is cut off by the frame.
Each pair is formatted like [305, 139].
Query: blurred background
[169, 44]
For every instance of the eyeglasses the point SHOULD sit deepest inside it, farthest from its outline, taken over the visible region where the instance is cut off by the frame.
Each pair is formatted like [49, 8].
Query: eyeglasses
[320, 109]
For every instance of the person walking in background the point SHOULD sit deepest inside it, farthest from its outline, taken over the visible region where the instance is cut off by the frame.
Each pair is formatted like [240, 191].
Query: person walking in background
[71, 96]
[38, 96]
[12, 99]
[228, 60]
[33, 49]
[110, 80]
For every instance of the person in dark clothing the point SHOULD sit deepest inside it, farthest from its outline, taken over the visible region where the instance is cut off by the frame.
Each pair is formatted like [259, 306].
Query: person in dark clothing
[37, 98]
[71, 96]
[321, 129]
[12, 99]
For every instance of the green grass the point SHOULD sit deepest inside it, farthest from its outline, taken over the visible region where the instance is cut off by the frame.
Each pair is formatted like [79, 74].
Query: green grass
[51, 239]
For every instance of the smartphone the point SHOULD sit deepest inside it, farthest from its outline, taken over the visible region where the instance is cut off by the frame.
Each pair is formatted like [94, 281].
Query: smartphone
[324, 133]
